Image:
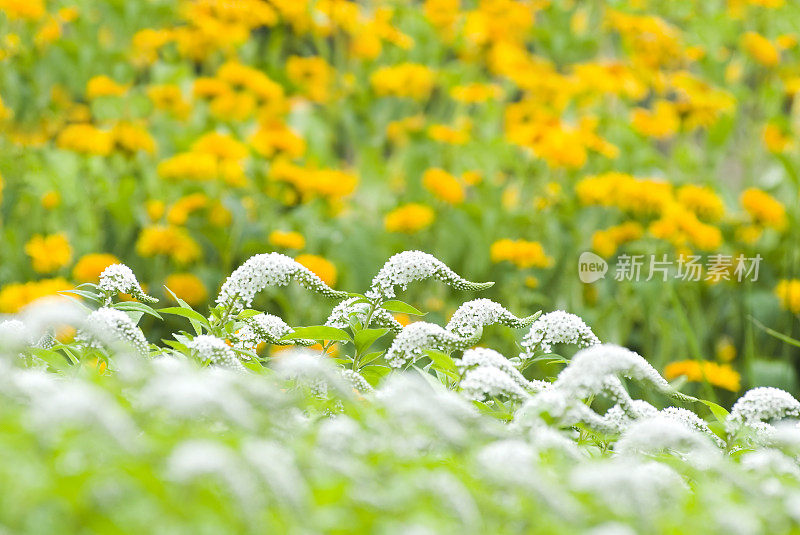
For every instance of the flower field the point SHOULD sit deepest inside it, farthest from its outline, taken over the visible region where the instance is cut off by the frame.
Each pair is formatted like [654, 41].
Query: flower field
[395, 266]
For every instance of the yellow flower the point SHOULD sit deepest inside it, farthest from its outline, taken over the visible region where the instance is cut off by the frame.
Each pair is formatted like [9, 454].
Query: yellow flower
[471, 178]
[409, 218]
[720, 375]
[188, 287]
[521, 253]
[189, 165]
[474, 93]
[169, 97]
[763, 208]
[103, 86]
[725, 350]
[661, 123]
[321, 267]
[775, 139]
[168, 240]
[788, 293]
[313, 75]
[86, 138]
[133, 138]
[761, 49]
[50, 200]
[222, 146]
[49, 253]
[411, 80]
[275, 137]
[443, 185]
[16, 295]
[89, 267]
[286, 240]
[155, 209]
[23, 9]
[180, 211]
[606, 242]
[701, 200]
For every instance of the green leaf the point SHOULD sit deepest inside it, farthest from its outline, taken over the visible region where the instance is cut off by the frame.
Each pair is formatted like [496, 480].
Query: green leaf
[319, 332]
[366, 337]
[133, 306]
[719, 412]
[369, 357]
[374, 373]
[395, 305]
[248, 313]
[91, 296]
[441, 361]
[192, 315]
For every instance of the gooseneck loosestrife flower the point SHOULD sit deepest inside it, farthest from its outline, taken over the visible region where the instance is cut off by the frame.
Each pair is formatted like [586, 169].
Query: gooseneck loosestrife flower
[557, 327]
[215, 351]
[266, 328]
[108, 326]
[411, 266]
[118, 278]
[268, 269]
[356, 309]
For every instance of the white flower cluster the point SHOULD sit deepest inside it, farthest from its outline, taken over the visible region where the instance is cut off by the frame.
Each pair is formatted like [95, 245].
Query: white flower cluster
[474, 361]
[661, 433]
[216, 351]
[410, 266]
[761, 406]
[352, 308]
[468, 320]
[118, 278]
[557, 327]
[266, 328]
[13, 333]
[487, 382]
[108, 327]
[358, 381]
[268, 269]
[412, 341]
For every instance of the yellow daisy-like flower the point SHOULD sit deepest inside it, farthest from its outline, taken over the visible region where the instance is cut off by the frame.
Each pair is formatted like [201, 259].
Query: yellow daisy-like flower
[322, 268]
[104, 86]
[89, 267]
[761, 49]
[49, 253]
[522, 253]
[788, 293]
[409, 218]
[287, 240]
[720, 375]
[188, 287]
[443, 186]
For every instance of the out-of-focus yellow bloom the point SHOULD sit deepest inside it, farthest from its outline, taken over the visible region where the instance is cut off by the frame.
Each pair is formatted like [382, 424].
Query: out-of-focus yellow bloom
[472, 178]
[775, 139]
[49, 253]
[222, 146]
[48, 32]
[398, 131]
[643, 196]
[409, 218]
[169, 97]
[788, 293]
[87, 139]
[476, 92]
[23, 9]
[190, 165]
[275, 137]
[155, 209]
[761, 49]
[522, 253]
[133, 138]
[51, 199]
[701, 200]
[147, 43]
[188, 287]
[661, 122]
[453, 135]
[16, 295]
[171, 241]
[720, 375]
[322, 268]
[104, 86]
[443, 186]
[89, 267]
[328, 183]
[411, 80]
[725, 350]
[180, 211]
[606, 242]
[763, 208]
[286, 240]
[313, 75]
[734, 71]
[681, 227]
[749, 234]
[5, 113]
[219, 215]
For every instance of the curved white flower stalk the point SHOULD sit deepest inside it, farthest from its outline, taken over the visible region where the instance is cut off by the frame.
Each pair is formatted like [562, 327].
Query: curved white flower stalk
[118, 278]
[565, 410]
[216, 351]
[357, 380]
[619, 417]
[557, 327]
[415, 338]
[341, 314]
[761, 405]
[661, 434]
[470, 318]
[266, 328]
[484, 357]
[692, 421]
[410, 266]
[268, 269]
[311, 369]
[487, 382]
[595, 369]
[108, 326]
